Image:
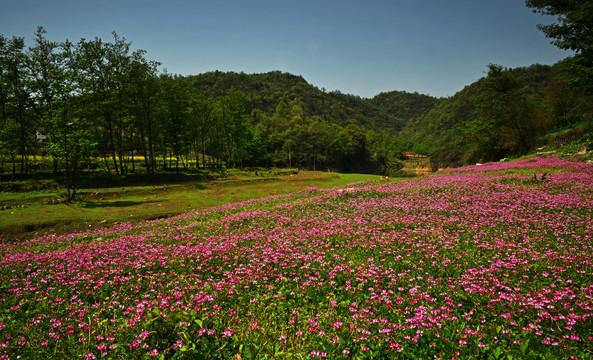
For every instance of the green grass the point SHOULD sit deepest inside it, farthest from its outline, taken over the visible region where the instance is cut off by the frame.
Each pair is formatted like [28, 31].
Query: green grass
[107, 205]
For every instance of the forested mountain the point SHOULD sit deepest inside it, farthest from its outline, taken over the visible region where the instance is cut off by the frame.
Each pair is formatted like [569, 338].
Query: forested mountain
[304, 126]
[386, 111]
[499, 115]
[96, 105]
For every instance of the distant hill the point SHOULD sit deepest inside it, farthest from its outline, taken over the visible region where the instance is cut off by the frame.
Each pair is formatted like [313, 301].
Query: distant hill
[393, 122]
[484, 120]
[387, 111]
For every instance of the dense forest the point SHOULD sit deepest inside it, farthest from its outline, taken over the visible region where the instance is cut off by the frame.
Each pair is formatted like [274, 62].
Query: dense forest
[96, 105]
[502, 114]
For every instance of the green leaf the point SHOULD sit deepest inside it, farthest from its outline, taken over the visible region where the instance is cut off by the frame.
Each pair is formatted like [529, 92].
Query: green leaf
[524, 346]
[497, 352]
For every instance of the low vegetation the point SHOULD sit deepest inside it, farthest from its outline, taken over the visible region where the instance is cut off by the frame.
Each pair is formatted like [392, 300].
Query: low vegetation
[490, 261]
[30, 208]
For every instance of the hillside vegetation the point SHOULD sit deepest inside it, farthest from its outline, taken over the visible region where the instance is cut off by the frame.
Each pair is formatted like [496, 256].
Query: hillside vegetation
[97, 107]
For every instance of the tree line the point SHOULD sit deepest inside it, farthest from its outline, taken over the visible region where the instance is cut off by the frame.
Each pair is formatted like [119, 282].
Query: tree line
[97, 105]
[99, 100]
[503, 114]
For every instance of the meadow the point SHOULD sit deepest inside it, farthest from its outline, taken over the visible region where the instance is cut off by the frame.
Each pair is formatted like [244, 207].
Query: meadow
[37, 207]
[482, 262]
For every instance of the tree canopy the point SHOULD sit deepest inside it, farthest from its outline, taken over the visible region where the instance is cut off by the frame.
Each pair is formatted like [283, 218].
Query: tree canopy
[572, 31]
[97, 105]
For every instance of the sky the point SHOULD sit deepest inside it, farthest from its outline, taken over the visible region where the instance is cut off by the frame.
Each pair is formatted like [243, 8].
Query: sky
[359, 47]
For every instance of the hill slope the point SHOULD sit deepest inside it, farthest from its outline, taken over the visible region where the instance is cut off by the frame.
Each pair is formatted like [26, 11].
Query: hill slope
[386, 111]
[487, 119]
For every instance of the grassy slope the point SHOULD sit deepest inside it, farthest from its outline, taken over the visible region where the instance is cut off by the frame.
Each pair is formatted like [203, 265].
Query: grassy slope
[105, 206]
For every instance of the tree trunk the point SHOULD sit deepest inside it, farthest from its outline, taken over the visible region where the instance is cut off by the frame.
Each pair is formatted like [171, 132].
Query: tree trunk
[112, 144]
[151, 150]
[203, 153]
[68, 180]
[13, 166]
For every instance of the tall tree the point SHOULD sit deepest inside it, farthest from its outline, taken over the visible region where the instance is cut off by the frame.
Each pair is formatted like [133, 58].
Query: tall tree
[200, 124]
[142, 89]
[47, 83]
[504, 108]
[5, 135]
[573, 31]
[102, 68]
[118, 60]
[17, 81]
[65, 120]
[174, 114]
[237, 132]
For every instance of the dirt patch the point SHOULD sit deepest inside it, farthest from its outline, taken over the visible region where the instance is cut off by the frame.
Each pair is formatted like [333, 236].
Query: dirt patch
[305, 175]
[98, 196]
[30, 185]
[159, 191]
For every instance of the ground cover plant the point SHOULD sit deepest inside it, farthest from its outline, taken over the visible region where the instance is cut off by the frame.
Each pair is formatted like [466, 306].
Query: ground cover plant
[28, 214]
[491, 261]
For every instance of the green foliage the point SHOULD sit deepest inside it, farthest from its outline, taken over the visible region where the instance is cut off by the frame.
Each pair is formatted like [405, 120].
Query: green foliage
[507, 112]
[139, 119]
[499, 115]
[572, 31]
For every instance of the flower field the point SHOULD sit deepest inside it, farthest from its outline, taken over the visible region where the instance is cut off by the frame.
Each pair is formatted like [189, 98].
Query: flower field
[491, 261]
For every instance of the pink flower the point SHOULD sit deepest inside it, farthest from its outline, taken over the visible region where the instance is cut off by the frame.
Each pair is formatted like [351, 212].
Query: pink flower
[134, 344]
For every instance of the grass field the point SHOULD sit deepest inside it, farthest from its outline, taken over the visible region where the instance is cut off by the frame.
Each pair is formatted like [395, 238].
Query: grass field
[37, 212]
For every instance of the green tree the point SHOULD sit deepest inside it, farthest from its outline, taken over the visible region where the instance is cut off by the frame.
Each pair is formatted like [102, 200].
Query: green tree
[94, 84]
[118, 60]
[72, 140]
[174, 118]
[46, 64]
[142, 91]
[339, 146]
[504, 113]
[200, 124]
[102, 69]
[4, 134]
[573, 31]
[64, 119]
[231, 111]
[16, 81]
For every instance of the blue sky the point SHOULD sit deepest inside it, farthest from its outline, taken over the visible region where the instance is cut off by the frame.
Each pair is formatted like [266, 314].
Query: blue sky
[360, 47]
